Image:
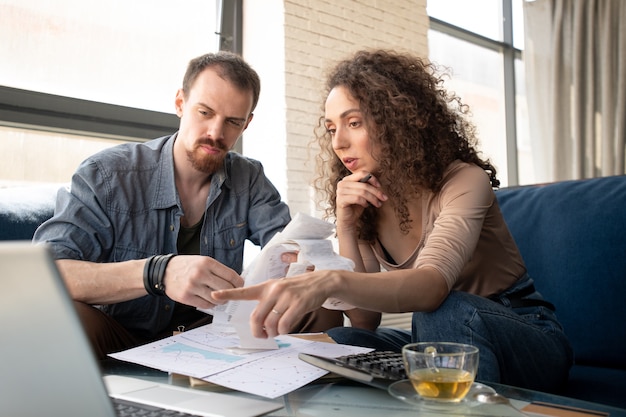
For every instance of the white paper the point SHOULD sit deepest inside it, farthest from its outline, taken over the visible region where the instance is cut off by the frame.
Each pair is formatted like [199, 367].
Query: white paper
[309, 237]
[213, 353]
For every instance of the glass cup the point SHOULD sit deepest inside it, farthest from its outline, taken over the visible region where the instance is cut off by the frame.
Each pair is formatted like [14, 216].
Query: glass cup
[441, 371]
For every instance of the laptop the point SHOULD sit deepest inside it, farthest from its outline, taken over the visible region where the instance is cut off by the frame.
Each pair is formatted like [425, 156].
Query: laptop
[47, 365]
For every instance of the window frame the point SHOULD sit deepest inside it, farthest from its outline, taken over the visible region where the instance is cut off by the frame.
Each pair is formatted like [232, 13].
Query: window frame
[509, 55]
[48, 112]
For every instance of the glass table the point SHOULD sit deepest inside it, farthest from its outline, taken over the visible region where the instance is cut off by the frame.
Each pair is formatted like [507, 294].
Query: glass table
[330, 397]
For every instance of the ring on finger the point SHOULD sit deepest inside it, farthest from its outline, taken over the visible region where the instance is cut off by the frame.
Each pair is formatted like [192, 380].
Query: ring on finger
[276, 312]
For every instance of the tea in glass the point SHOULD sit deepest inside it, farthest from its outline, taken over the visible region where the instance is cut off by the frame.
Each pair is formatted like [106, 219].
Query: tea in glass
[441, 371]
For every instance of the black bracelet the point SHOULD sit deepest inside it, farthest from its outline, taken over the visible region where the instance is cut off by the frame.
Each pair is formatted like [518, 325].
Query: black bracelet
[146, 275]
[154, 272]
[159, 273]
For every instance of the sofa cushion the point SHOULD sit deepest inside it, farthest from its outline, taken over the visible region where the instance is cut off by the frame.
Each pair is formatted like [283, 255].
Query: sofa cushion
[23, 209]
[597, 384]
[572, 237]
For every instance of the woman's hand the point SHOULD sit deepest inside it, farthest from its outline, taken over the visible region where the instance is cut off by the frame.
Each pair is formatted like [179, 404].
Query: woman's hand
[282, 302]
[354, 193]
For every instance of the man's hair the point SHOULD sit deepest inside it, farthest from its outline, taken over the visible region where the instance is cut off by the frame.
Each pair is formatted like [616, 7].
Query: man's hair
[230, 67]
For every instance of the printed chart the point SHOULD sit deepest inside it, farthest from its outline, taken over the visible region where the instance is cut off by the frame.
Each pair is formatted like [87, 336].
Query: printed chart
[210, 354]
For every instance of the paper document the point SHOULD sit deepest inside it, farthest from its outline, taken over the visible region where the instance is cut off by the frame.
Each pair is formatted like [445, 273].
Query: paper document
[212, 353]
[309, 238]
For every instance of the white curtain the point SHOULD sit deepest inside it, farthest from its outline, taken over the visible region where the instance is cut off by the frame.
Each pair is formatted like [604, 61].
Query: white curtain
[575, 57]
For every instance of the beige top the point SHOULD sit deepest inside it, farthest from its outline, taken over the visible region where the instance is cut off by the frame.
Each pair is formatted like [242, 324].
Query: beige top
[464, 235]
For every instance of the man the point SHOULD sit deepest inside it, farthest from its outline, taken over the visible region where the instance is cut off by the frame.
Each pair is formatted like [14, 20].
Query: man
[133, 206]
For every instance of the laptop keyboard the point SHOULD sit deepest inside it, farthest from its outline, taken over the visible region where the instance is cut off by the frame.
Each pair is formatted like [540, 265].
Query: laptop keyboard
[130, 409]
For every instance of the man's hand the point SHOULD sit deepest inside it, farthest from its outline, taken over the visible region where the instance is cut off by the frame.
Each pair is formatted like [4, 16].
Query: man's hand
[291, 257]
[190, 279]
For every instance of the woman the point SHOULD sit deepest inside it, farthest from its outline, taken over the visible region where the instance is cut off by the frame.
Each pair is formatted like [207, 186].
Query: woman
[409, 192]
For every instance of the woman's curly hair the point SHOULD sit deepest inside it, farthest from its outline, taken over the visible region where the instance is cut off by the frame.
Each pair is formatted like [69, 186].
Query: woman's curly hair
[420, 129]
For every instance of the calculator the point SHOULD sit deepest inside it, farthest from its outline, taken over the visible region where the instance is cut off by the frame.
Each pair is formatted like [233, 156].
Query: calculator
[376, 368]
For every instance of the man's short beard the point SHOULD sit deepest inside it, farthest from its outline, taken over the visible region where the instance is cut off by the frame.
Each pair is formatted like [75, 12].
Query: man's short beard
[209, 164]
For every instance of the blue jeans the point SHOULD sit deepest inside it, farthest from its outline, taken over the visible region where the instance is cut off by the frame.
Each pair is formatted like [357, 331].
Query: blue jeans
[521, 346]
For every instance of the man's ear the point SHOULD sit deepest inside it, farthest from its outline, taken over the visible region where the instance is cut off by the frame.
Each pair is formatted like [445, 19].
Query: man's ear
[179, 102]
[248, 121]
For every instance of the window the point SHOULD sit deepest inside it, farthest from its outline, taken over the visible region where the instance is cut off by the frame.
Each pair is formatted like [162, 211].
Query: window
[481, 42]
[84, 75]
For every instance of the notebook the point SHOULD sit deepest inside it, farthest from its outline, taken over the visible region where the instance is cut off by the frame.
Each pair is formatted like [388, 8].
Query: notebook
[47, 364]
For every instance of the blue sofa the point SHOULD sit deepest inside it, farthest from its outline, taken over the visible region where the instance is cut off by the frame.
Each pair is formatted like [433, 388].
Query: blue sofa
[572, 237]
[23, 209]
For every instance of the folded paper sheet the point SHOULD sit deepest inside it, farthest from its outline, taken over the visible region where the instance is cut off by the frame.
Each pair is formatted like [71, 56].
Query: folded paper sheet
[304, 235]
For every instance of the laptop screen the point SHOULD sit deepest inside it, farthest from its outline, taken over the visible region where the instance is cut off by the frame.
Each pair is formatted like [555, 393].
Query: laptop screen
[47, 364]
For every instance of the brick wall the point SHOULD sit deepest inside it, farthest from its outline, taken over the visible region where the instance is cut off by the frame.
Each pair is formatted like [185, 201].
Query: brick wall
[318, 33]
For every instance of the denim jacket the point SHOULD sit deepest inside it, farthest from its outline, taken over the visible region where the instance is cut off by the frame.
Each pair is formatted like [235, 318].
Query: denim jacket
[123, 205]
